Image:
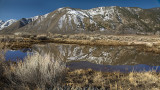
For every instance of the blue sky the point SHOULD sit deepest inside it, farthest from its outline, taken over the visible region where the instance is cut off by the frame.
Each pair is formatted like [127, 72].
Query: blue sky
[17, 9]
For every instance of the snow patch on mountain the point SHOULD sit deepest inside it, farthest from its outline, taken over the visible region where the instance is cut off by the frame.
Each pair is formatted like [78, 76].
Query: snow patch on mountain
[107, 12]
[75, 15]
[34, 18]
[60, 9]
[4, 24]
[1, 22]
[78, 15]
[61, 20]
[40, 17]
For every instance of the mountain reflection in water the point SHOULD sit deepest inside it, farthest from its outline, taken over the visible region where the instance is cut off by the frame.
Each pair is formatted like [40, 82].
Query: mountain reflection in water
[100, 58]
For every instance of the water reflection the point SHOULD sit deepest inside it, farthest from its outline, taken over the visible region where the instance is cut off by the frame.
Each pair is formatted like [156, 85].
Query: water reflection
[100, 58]
[15, 55]
[106, 55]
[112, 68]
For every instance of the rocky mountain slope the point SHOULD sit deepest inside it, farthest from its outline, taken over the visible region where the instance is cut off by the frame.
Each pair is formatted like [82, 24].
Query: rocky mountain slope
[114, 20]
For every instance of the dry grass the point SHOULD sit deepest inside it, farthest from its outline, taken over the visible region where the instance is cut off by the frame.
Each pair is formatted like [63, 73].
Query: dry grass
[114, 80]
[3, 50]
[43, 71]
[2, 55]
[148, 80]
[98, 79]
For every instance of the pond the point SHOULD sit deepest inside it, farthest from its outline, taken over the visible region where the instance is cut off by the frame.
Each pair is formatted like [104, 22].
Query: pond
[100, 58]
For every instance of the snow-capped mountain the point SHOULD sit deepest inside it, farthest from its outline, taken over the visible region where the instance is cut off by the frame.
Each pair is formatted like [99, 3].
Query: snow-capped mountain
[7, 23]
[18, 23]
[120, 20]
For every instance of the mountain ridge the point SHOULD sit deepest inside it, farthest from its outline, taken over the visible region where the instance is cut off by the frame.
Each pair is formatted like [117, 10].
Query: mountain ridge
[114, 19]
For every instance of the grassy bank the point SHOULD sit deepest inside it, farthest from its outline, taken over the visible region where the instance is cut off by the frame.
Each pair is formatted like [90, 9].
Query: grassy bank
[145, 43]
[47, 72]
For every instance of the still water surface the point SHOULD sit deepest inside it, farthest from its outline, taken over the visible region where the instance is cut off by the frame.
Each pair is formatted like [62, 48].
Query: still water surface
[100, 58]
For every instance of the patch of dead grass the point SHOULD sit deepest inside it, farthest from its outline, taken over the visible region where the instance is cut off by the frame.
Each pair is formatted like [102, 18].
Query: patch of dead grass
[146, 79]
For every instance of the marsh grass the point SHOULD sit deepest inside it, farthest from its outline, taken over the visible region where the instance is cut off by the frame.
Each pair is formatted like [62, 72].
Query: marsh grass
[114, 80]
[2, 55]
[2, 52]
[148, 80]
